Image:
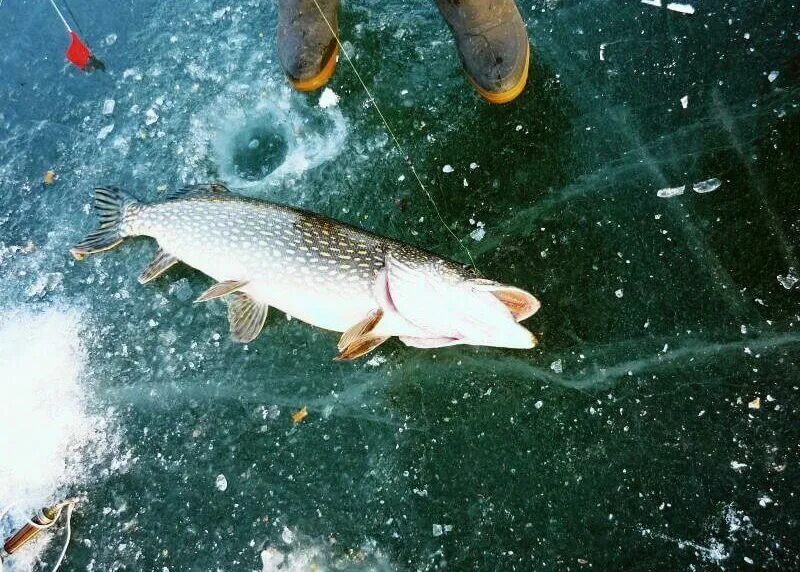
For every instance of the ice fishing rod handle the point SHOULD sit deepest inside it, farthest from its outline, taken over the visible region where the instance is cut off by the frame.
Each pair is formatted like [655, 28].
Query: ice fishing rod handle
[45, 518]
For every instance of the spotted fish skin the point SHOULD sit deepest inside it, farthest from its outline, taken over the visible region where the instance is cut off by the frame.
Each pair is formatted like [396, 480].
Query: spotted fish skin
[329, 274]
[296, 261]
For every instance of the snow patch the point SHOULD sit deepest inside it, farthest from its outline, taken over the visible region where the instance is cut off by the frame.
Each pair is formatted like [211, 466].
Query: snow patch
[50, 442]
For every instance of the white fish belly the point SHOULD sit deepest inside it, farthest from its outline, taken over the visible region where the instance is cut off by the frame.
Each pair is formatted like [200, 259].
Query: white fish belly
[324, 308]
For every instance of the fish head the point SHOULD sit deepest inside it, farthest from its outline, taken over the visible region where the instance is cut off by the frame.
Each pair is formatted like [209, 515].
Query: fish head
[444, 303]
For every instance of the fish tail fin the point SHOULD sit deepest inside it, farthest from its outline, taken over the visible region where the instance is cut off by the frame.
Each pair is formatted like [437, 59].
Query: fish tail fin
[112, 205]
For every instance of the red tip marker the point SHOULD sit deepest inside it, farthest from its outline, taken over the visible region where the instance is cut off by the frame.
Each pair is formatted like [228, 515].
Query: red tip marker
[77, 52]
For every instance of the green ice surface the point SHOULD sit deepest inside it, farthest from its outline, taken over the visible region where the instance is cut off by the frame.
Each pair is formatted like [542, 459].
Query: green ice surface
[624, 441]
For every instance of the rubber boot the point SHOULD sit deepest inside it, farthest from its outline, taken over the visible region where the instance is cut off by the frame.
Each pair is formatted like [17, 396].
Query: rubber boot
[307, 47]
[492, 43]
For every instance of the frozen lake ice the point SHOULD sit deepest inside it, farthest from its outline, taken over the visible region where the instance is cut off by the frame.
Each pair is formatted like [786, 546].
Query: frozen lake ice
[626, 440]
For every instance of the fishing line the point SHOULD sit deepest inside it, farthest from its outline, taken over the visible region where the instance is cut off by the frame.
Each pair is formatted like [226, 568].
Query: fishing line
[74, 19]
[399, 147]
[61, 556]
[60, 15]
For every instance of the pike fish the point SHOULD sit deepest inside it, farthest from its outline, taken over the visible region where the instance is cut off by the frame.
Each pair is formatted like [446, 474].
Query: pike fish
[321, 271]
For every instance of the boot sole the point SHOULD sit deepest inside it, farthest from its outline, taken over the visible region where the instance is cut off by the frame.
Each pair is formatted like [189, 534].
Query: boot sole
[321, 78]
[501, 97]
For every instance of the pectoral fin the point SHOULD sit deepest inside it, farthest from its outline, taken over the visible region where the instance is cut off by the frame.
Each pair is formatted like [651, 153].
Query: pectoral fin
[359, 347]
[246, 317]
[220, 289]
[359, 339]
[360, 329]
[162, 262]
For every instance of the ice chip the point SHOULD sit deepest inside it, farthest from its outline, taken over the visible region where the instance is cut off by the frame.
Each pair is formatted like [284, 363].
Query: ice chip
[447, 169]
[287, 535]
[670, 192]
[478, 234]
[557, 366]
[437, 530]
[104, 132]
[219, 14]
[132, 72]
[150, 117]
[685, 101]
[619, 293]
[271, 559]
[181, 290]
[108, 106]
[120, 144]
[707, 186]
[682, 8]
[221, 483]
[790, 279]
[773, 75]
[328, 98]
[111, 39]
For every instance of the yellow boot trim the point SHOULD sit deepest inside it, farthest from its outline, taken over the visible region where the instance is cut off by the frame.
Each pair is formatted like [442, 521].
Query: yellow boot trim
[321, 78]
[498, 98]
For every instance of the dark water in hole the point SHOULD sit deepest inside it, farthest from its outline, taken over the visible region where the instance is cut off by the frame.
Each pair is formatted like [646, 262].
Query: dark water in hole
[655, 427]
[258, 152]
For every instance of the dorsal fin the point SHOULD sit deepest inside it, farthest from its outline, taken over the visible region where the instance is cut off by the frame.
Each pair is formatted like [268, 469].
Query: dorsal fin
[202, 189]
